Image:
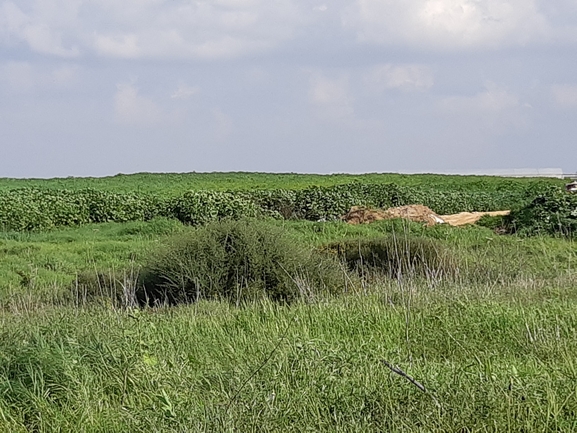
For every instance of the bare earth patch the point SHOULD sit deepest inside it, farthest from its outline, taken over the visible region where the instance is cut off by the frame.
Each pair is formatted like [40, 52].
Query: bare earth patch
[416, 212]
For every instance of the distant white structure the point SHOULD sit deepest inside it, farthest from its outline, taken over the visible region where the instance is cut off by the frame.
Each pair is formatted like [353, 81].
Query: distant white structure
[530, 172]
[510, 172]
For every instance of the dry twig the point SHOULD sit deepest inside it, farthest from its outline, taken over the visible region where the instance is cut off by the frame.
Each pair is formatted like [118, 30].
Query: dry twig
[419, 385]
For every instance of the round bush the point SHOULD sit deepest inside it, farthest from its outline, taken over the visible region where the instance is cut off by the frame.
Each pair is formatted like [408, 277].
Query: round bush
[237, 260]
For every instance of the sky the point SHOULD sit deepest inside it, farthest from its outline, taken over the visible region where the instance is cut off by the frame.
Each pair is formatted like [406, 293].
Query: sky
[100, 87]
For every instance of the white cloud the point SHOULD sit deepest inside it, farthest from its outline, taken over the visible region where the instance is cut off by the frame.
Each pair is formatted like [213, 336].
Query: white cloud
[184, 92]
[447, 24]
[133, 109]
[123, 46]
[150, 28]
[492, 100]
[217, 29]
[491, 111]
[410, 77]
[331, 96]
[36, 29]
[565, 96]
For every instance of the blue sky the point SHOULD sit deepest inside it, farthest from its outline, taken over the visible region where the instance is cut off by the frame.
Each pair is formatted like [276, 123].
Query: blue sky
[92, 88]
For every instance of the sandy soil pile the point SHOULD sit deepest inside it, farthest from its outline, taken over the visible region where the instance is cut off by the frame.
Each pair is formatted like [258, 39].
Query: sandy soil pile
[415, 212]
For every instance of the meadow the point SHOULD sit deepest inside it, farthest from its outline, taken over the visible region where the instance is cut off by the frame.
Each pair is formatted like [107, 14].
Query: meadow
[175, 183]
[491, 339]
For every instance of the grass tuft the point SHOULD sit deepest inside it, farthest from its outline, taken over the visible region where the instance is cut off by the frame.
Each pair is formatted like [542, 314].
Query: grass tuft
[397, 257]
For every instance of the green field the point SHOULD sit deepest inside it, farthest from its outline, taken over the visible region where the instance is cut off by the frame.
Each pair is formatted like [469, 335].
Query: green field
[175, 183]
[493, 340]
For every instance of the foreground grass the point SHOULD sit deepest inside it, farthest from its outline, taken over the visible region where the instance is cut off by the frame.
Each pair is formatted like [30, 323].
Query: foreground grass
[492, 358]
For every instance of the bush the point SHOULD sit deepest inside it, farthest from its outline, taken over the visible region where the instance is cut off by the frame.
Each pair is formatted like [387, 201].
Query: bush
[236, 260]
[496, 223]
[201, 207]
[106, 206]
[397, 257]
[41, 209]
[553, 212]
[31, 209]
[278, 203]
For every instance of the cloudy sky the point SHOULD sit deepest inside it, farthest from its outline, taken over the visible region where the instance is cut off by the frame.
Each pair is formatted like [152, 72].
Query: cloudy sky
[92, 88]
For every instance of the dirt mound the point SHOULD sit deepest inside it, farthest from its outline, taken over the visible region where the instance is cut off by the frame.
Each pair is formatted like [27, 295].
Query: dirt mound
[414, 212]
[417, 212]
[463, 218]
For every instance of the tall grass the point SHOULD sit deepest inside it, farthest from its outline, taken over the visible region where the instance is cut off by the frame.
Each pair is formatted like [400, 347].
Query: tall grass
[489, 361]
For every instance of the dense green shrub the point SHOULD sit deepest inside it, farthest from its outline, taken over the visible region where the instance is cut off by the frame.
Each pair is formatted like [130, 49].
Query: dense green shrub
[397, 257]
[552, 212]
[330, 203]
[278, 203]
[236, 260]
[38, 209]
[494, 222]
[107, 206]
[200, 207]
[30, 209]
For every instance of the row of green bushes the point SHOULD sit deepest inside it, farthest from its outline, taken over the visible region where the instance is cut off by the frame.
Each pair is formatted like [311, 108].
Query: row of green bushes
[40, 209]
[329, 203]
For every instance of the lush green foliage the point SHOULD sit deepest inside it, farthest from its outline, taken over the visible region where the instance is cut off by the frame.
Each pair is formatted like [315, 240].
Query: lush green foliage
[238, 261]
[40, 209]
[175, 184]
[497, 355]
[44, 265]
[553, 212]
[200, 207]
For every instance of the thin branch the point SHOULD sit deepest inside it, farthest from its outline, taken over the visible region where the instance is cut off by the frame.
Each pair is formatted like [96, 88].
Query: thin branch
[419, 385]
[400, 372]
[261, 366]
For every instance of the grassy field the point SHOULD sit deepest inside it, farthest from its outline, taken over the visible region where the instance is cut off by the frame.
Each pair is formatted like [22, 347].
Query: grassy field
[491, 359]
[175, 183]
[494, 345]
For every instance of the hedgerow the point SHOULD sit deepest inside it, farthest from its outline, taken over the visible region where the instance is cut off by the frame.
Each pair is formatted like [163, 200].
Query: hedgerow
[201, 207]
[40, 209]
